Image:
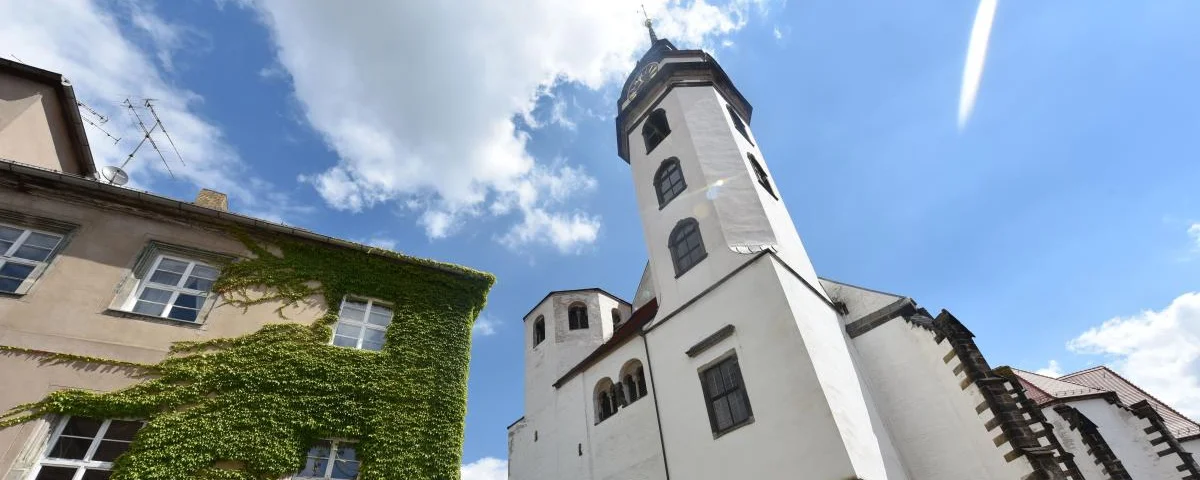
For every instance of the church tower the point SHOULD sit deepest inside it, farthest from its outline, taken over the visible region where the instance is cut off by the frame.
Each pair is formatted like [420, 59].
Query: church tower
[735, 290]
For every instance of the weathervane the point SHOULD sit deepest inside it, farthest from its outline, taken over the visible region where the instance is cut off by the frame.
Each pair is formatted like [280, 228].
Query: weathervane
[649, 25]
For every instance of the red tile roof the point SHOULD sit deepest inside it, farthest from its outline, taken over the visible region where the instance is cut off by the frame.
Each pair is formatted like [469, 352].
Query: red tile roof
[1043, 389]
[1105, 378]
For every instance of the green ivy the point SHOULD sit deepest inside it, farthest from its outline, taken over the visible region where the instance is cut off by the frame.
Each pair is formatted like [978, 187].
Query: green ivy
[249, 407]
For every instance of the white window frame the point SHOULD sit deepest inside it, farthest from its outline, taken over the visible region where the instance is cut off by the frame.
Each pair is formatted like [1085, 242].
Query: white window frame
[80, 466]
[38, 266]
[365, 325]
[333, 445]
[175, 290]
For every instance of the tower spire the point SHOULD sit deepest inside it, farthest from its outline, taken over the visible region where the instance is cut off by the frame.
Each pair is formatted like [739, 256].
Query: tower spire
[649, 25]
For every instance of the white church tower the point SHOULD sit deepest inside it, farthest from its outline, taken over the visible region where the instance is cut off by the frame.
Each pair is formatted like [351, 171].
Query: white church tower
[735, 291]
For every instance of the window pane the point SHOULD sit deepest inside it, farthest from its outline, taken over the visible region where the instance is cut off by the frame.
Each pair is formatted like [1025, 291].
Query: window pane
[712, 378]
[9, 285]
[109, 450]
[82, 427]
[122, 430]
[148, 308]
[198, 283]
[185, 314]
[170, 265]
[353, 311]
[737, 407]
[30, 252]
[205, 271]
[4, 246]
[155, 295]
[730, 374]
[14, 270]
[380, 316]
[345, 465]
[372, 335]
[42, 240]
[165, 278]
[372, 346]
[189, 301]
[56, 473]
[71, 448]
[93, 474]
[348, 330]
[345, 341]
[313, 467]
[721, 412]
[10, 234]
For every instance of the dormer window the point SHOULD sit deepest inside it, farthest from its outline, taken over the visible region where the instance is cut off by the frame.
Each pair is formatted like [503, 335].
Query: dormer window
[577, 317]
[655, 129]
[539, 330]
[668, 181]
[738, 124]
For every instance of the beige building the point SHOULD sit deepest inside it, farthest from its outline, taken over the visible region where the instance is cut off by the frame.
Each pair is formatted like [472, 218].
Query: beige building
[97, 280]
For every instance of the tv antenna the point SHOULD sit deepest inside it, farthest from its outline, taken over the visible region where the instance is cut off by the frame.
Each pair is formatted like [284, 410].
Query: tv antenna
[99, 120]
[148, 134]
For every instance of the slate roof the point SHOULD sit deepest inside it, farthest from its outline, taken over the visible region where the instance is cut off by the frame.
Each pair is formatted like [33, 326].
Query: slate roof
[1103, 377]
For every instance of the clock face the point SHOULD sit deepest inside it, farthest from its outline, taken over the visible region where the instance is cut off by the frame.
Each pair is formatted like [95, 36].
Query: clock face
[644, 76]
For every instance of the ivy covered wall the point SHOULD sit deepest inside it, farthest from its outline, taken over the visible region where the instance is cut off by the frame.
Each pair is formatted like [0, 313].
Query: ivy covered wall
[249, 407]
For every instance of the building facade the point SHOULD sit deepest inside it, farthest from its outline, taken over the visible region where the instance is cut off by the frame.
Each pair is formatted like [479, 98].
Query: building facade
[735, 360]
[143, 337]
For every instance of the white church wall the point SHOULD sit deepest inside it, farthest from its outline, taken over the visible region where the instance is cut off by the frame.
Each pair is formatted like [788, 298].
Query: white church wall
[571, 346]
[571, 432]
[932, 421]
[1125, 433]
[1072, 441]
[626, 445]
[793, 434]
[1191, 446]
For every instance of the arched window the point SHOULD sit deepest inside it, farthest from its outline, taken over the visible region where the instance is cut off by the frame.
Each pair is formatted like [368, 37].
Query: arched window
[577, 317]
[655, 129]
[668, 181]
[633, 382]
[539, 330]
[605, 406]
[616, 316]
[738, 124]
[761, 175]
[687, 248]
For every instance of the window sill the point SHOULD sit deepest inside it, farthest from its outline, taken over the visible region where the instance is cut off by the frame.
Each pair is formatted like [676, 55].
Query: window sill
[12, 295]
[720, 434]
[153, 319]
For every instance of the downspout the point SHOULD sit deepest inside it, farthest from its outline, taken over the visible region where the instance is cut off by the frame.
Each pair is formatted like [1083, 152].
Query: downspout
[657, 415]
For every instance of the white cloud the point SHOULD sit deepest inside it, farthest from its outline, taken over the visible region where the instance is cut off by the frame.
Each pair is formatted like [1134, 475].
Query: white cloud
[418, 99]
[1053, 370]
[486, 468]
[88, 45]
[1194, 232]
[485, 326]
[1157, 350]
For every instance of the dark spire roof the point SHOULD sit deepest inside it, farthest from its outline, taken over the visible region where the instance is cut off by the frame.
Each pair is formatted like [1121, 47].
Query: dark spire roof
[650, 26]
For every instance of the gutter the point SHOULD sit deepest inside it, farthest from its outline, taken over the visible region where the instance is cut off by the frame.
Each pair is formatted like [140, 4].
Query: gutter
[159, 202]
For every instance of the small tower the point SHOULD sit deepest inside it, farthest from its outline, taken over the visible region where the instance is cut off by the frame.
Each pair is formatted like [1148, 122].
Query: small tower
[734, 284]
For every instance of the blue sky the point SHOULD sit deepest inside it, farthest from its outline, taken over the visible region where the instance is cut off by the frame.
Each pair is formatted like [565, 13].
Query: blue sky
[1062, 224]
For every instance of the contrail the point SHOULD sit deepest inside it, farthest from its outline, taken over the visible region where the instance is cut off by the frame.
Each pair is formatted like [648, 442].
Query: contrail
[976, 54]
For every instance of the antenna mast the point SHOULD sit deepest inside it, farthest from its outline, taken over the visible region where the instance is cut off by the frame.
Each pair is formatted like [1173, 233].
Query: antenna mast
[100, 120]
[145, 137]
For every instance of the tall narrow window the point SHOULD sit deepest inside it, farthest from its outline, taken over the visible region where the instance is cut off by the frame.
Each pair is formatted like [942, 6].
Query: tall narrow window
[761, 175]
[605, 404]
[174, 287]
[330, 459]
[655, 129]
[85, 448]
[640, 377]
[738, 124]
[668, 181]
[687, 248]
[616, 316]
[539, 330]
[22, 253]
[577, 317]
[362, 324]
[725, 395]
[630, 388]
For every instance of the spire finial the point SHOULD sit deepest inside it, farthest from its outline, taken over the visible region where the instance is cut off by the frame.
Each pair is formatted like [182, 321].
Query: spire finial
[649, 25]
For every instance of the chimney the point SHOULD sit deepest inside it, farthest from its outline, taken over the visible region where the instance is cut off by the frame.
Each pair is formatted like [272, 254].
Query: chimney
[212, 199]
